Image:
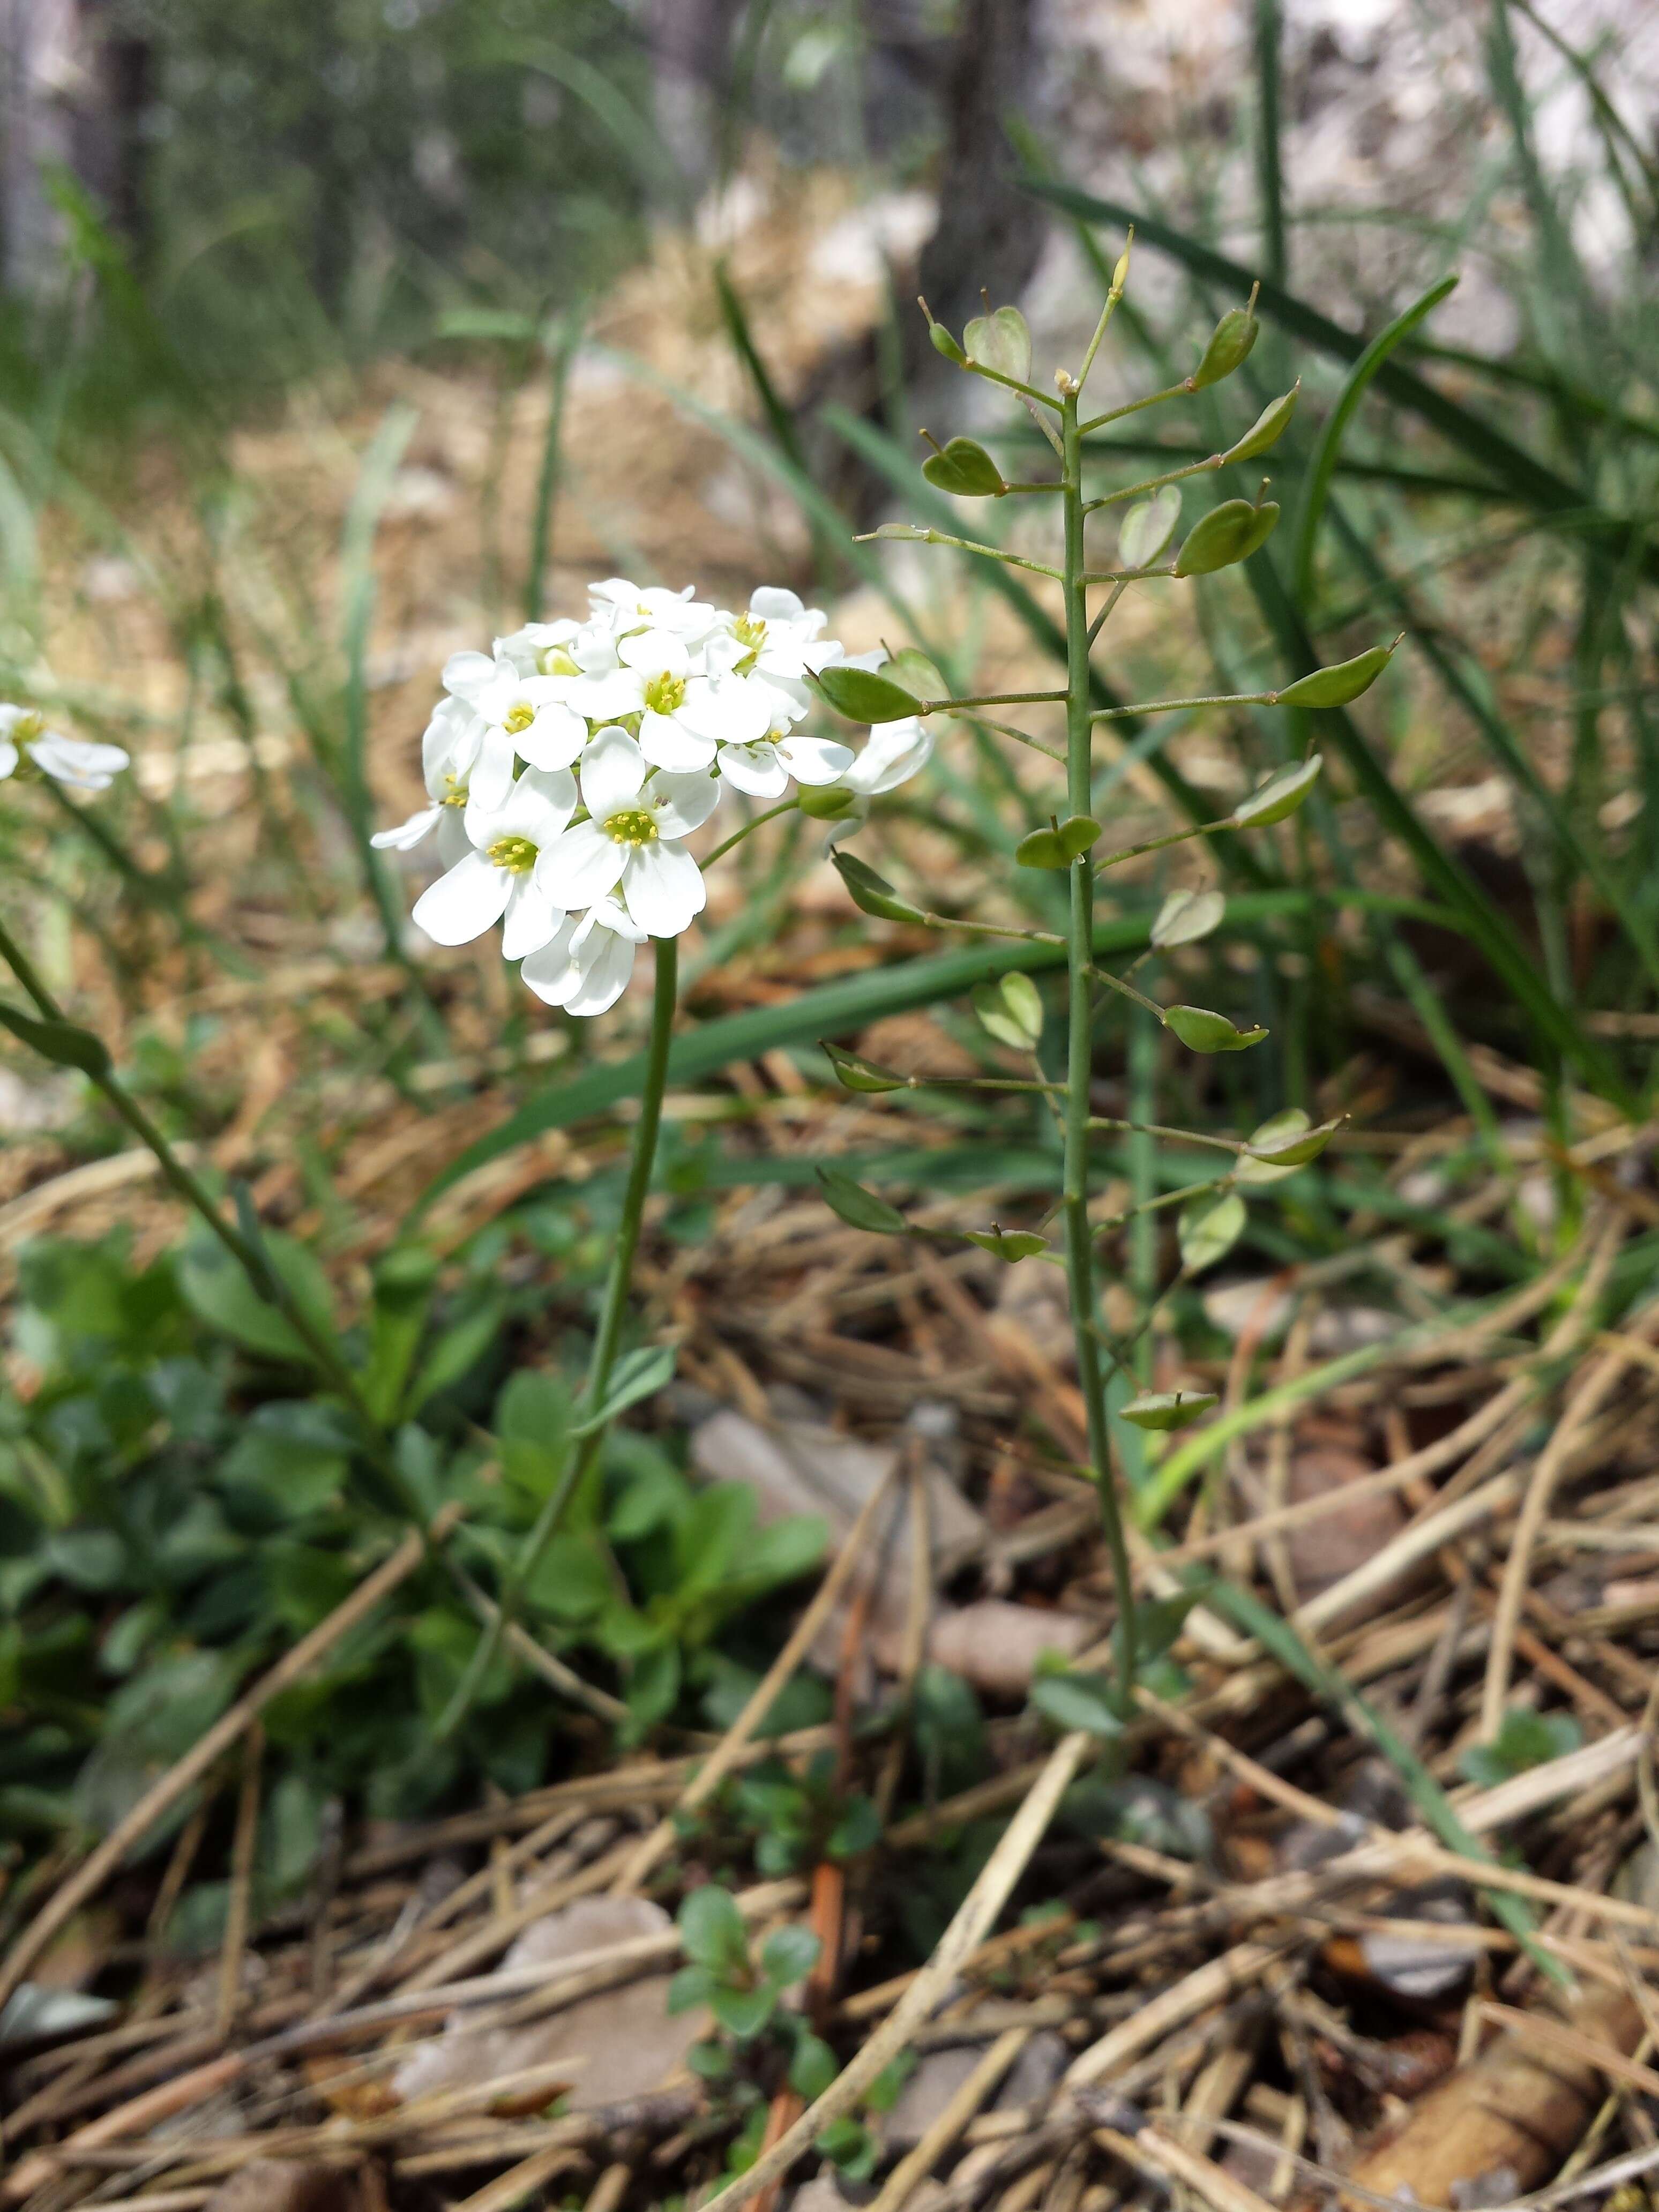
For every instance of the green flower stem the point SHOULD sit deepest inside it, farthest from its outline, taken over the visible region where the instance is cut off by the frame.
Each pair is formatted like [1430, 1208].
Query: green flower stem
[1212, 462]
[1025, 390]
[1158, 844]
[1105, 613]
[1175, 705]
[1127, 991]
[1135, 406]
[784, 806]
[927, 536]
[187, 1186]
[991, 699]
[1158, 1205]
[1128, 575]
[602, 1358]
[1079, 1055]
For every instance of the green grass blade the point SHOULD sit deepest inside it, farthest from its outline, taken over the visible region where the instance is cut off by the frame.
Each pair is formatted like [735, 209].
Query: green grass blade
[1270, 175]
[565, 348]
[380, 462]
[1528, 481]
[1317, 482]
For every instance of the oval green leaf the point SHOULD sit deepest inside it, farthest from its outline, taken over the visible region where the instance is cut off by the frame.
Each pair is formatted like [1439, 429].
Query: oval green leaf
[60, 1042]
[1148, 527]
[1268, 427]
[873, 894]
[1227, 534]
[1010, 1244]
[1200, 1030]
[965, 469]
[1279, 798]
[1209, 1228]
[855, 1074]
[1002, 342]
[1342, 681]
[863, 695]
[858, 1207]
[1185, 916]
[1167, 1409]
[1229, 344]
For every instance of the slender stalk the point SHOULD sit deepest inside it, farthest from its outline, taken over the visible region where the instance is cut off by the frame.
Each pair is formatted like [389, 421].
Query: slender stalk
[602, 1358]
[916, 534]
[784, 806]
[1079, 1056]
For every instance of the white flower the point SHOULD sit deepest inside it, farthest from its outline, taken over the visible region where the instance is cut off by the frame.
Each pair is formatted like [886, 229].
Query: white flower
[631, 842]
[459, 754]
[763, 770]
[530, 715]
[585, 967]
[527, 646]
[624, 606]
[498, 876]
[77, 762]
[895, 751]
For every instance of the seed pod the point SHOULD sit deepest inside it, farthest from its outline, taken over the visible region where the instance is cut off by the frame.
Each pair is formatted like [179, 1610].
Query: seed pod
[1200, 1030]
[873, 894]
[1000, 341]
[860, 1208]
[1058, 847]
[965, 469]
[1280, 795]
[863, 1075]
[1147, 528]
[1227, 533]
[1230, 342]
[1268, 427]
[862, 695]
[1209, 1228]
[1185, 916]
[1342, 681]
[1167, 1409]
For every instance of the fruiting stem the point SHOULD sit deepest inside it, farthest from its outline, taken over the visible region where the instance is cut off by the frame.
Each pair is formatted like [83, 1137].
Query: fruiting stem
[1080, 1055]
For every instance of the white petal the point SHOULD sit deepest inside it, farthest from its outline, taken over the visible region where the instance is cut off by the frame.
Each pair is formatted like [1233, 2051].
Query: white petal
[580, 865]
[613, 775]
[77, 762]
[604, 696]
[550, 971]
[755, 770]
[10, 715]
[407, 834]
[463, 904]
[815, 760]
[7, 757]
[770, 603]
[490, 777]
[554, 738]
[449, 745]
[894, 752]
[731, 710]
[667, 743]
[611, 914]
[542, 801]
[654, 653]
[603, 978]
[465, 673]
[532, 919]
[453, 843]
[664, 888]
[683, 803]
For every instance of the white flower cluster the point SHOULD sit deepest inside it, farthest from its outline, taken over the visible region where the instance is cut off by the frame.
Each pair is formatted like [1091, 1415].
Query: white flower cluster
[77, 762]
[567, 769]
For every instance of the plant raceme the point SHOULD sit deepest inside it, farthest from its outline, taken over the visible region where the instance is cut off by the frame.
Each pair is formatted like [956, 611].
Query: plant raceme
[565, 770]
[80, 763]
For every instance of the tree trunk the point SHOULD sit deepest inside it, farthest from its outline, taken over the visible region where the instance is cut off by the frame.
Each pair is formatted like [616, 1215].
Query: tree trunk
[75, 94]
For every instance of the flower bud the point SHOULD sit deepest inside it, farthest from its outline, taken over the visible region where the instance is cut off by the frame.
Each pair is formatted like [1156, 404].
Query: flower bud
[825, 802]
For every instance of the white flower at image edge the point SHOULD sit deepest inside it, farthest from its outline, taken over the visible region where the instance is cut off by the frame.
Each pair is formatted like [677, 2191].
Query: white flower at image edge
[631, 842]
[77, 762]
[588, 963]
[895, 751]
[498, 880]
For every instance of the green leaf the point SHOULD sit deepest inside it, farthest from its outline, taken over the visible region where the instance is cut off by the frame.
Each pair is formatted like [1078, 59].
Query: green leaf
[863, 1075]
[860, 1208]
[1287, 1139]
[1229, 344]
[813, 2067]
[1268, 427]
[1147, 528]
[965, 470]
[1185, 916]
[712, 1930]
[1342, 681]
[1524, 1740]
[572, 1582]
[743, 2013]
[849, 2145]
[219, 1292]
[1011, 1011]
[1000, 341]
[455, 1353]
[1167, 1409]
[873, 894]
[1279, 797]
[1227, 534]
[1010, 1244]
[60, 1042]
[1200, 1030]
[1060, 847]
[638, 1374]
[691, 1987]
[862, 695]
[1159, 1621]
[788, 1955]
[1078, 1701]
